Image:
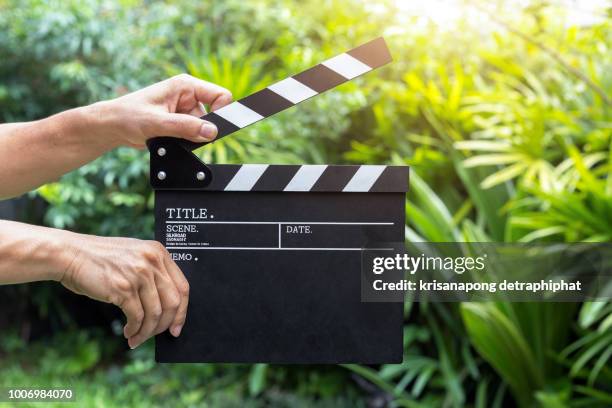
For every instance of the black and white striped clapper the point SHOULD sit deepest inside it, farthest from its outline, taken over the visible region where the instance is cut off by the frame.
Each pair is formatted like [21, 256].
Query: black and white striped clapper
[274, 253]
[298, 88]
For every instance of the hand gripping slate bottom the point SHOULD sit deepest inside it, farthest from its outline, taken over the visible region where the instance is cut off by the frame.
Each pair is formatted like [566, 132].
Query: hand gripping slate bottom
[273, 252]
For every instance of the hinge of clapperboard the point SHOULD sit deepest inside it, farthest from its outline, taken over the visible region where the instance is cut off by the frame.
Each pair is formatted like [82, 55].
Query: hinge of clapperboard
[175, 166]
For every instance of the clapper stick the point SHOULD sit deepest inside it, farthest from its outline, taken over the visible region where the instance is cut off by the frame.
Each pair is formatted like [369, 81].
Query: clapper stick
[297, 88]
[190, 173]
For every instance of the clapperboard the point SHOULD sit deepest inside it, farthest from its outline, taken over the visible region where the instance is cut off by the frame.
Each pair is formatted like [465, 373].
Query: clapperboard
[273, 252]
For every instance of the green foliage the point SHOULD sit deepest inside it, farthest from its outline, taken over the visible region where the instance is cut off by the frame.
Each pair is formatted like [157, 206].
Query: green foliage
[67, 361]
[518, 339]
[508, 141]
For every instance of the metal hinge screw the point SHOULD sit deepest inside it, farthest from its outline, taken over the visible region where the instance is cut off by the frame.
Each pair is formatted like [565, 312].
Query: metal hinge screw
[200, 175]
[161, 175]
[161, 151]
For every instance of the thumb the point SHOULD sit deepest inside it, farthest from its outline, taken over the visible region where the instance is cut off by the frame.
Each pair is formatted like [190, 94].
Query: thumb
[187, 127]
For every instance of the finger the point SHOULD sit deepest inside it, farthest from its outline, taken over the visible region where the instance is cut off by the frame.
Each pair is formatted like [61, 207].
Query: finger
[183, 289]
[170, 301]
[132, 308]
[152, 313]
[202, 108]
[186, 126]
[197, 111]
[206, 92]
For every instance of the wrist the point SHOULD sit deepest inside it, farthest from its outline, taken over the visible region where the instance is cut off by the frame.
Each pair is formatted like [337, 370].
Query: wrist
[104, 125]
[30, 253]
[59, 252]
[81, 131]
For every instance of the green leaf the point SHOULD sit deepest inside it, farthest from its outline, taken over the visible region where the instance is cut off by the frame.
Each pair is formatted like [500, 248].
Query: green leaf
[492, 159]
[502, 344]
[504, 175]
[483, 145]
[257, 379]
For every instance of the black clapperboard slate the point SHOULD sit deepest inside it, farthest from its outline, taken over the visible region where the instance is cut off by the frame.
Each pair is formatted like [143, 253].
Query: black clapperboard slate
[273, 252]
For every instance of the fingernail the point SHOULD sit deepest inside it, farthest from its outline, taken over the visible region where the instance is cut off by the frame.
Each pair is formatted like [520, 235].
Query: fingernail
[208, 131]
[176, 330]
[133, 344]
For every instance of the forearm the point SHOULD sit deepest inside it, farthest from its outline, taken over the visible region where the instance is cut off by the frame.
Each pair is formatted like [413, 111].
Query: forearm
[29, 253]
[138, 276]
[34, 153]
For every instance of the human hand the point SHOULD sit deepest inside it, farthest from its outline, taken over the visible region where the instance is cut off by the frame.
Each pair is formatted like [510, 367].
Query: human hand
[78, 136]
[137, 276]
[167, 108]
